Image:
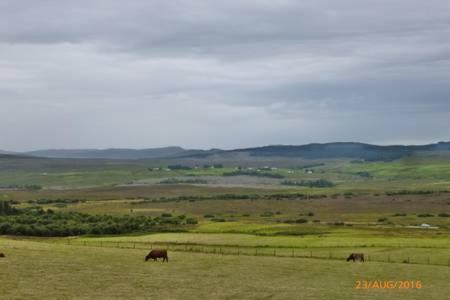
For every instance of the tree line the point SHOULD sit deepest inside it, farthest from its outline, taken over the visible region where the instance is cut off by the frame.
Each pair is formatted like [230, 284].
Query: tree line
[35, 221]
[319, 183]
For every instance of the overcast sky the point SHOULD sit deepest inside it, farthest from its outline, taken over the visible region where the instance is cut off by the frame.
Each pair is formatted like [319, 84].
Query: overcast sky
[226, 74]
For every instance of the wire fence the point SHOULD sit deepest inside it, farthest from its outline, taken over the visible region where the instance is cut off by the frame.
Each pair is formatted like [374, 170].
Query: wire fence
[313, 253]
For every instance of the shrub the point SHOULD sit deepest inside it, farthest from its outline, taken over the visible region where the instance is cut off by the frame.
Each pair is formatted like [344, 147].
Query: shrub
[405, 192]
[7, 209]
[319, 183]
[399, 215]
[289, 221]
[253, 173]
[267, 214]
[57, 201]
[191, 221]
[425, 215]
[183, 181]
[301, 221]
[218, 220]
[37, 222]
[444, 215]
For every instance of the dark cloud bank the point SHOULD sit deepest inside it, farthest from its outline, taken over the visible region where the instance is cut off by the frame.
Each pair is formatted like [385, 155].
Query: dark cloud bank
[88, 74]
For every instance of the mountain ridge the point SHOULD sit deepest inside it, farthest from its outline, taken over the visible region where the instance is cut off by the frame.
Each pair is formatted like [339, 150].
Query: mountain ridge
[354, 150]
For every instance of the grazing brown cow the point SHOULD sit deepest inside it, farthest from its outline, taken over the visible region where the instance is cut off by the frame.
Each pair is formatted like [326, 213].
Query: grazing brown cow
[155, 254]
[2, 255]
[356, 256]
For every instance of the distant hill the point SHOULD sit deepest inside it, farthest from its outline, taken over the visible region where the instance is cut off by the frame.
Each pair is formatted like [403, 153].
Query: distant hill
[165, 152]
[2, 152]
[310, 151]
[12, 156]
[344, 150]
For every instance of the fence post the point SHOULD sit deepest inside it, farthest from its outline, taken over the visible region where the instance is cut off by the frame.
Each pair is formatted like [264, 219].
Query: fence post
[134, 245]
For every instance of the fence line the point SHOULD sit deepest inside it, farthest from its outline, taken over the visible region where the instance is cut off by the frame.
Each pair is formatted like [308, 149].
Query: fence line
[253, 251]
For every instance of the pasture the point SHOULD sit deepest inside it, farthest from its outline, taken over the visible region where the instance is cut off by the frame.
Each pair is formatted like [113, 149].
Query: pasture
[34, 270]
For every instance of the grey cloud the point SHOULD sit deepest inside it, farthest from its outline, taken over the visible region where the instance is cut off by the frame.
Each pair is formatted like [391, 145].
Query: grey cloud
[222, 73]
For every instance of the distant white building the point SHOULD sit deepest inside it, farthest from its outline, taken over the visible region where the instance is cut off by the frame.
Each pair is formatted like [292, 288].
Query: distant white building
[425, 225]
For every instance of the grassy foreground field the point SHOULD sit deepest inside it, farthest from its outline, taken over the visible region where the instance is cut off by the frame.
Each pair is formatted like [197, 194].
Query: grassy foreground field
[35, 270]
[433, 250]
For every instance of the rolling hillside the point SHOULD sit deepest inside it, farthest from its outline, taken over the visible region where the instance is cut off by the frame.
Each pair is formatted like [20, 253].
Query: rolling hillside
[310, 151]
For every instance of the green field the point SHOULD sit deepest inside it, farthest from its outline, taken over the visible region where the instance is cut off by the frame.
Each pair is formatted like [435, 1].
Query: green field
[35, 270]
[417, 172]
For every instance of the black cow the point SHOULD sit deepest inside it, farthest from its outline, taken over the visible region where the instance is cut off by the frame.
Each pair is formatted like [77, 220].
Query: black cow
[356, 257]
